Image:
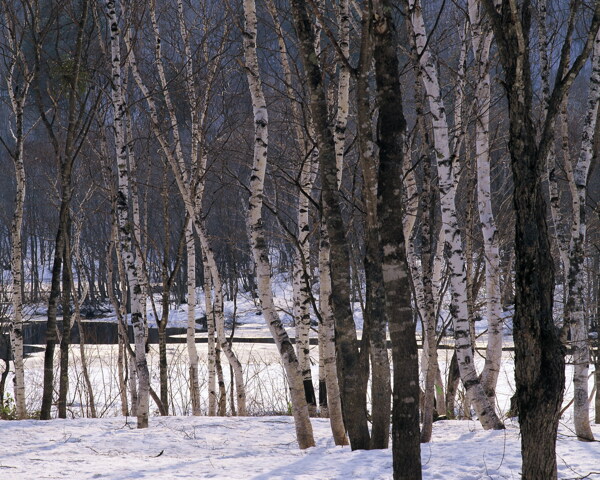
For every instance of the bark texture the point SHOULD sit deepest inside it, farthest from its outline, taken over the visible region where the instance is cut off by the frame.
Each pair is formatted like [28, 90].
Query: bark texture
[126, 245]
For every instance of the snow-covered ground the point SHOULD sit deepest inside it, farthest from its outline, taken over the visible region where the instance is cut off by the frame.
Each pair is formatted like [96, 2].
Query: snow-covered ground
[262, 447]
[258, 448]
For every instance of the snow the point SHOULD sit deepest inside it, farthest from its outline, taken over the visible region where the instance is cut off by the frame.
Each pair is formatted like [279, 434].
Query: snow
[258, 448]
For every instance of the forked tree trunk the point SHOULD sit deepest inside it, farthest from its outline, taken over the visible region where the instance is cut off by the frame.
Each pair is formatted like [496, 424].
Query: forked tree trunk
[375, 318]
[258, 242]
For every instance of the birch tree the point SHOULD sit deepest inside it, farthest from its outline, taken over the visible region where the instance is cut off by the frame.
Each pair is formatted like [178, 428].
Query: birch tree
[577, 285]
[446, 162]
[375, 320]
[191, 318]
[126, 242]
[352, 381]
[19, 77]
[481, 38]
[300, 275]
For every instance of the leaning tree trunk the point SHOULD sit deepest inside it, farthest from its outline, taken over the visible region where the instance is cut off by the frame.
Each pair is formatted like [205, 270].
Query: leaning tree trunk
[126, 244]
[453, 237]
[258, 242]
[301, 269]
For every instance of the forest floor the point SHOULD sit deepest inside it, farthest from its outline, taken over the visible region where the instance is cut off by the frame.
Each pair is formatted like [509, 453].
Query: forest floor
[258, 448]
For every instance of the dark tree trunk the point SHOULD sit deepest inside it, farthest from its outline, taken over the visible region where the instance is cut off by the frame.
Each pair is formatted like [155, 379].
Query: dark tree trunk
[406, 447]
[375, 321]
[65, 340]
[539, 360]
[51, 325]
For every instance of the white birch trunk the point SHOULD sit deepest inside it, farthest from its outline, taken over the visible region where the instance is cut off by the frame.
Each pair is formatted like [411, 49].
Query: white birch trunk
[16, 324]
[212, 347]
[257, 237]
[343, 94]
[453, 237]
[558, 221]
[577, 281]
[327, 339]
[191, 317]
[18, 96]
[481, 38]
[300, 275]
[126, 245]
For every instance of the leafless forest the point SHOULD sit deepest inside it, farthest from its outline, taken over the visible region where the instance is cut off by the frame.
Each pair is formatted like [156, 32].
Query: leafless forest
[432, 163]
